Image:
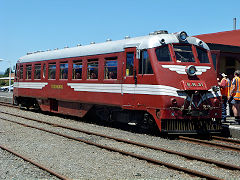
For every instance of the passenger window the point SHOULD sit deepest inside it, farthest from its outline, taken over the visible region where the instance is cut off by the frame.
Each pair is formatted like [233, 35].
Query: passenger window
[110, 68]
[37, 72]
[64, 70]
[44, 70]
[163, 54]
[52, 71]
[21, 72]
[145, 64]
[29, 72]
[129, 64]
[92, 69]
[77, 70]
[202, 55]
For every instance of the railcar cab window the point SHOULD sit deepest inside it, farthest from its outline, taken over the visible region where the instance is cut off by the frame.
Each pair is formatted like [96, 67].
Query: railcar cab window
[129, 63]
[183, 53]
[110, 68]
[77, 70]
[63, 70]
[37, 71]
[29, 72]
[145, 66]
[52, 71]
[163, 54]
[21, 72]
[92, 69]
[202, 55]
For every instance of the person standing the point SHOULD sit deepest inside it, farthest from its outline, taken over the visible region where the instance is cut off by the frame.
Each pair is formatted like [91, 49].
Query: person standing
[224, 88]
[235, 93]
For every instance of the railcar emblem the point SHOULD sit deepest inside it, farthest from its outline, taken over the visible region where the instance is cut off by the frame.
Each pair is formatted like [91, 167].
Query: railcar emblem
[180, 69]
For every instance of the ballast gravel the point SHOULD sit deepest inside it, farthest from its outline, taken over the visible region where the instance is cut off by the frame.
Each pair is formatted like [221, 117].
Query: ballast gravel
[78, 160]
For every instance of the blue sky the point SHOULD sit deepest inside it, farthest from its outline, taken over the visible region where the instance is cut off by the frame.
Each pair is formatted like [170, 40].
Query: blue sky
[32, 25]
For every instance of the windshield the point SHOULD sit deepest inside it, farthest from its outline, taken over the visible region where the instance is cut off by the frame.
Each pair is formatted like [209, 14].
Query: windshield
[183, 53]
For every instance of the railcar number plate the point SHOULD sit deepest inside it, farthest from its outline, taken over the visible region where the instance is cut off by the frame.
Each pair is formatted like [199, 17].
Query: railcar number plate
[193, 85]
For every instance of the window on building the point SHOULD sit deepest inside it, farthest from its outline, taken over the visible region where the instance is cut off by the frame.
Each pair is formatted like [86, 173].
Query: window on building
[52, 71]
[92, 69]
[77, 70]
[29, 72]
[130, 63]
[21, 72]
[110, 68]
[64, 70]
[145, 66]
[163, 54]
[37, 71]
[202, 55]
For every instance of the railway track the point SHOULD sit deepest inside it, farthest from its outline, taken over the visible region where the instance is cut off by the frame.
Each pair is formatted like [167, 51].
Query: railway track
[35, 163]
[172, 166]
[210, 143]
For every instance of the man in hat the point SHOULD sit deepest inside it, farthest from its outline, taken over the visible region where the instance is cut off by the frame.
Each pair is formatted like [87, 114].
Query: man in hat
[235, 93]
[224, 87]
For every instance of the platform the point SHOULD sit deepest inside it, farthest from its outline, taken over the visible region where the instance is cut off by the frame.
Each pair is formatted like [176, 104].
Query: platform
[232, 129]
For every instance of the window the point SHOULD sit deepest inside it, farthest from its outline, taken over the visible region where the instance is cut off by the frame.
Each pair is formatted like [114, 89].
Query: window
[29, 72]
[145, 64]
[77, 70]
[110, 68]
[21, 72]
[163, 54]
[92, 69]
[44, 70]
[202, 55]
[64, 70]
[129, 64]
[183, 53]
[37, 72]
[52, 71]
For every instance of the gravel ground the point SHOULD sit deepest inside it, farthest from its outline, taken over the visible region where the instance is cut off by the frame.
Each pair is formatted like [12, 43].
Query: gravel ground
[80, 161]
[12, 167]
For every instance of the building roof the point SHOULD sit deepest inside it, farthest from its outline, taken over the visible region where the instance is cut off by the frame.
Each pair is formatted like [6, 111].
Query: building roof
[231, 38]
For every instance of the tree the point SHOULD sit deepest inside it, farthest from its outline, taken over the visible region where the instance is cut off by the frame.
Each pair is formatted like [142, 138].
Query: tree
[6, 74]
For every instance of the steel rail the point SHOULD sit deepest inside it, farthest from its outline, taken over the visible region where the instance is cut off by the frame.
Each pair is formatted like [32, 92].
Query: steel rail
[226, 139]
[210, 143]
[192, 157]
[35, 163]
[141, 157]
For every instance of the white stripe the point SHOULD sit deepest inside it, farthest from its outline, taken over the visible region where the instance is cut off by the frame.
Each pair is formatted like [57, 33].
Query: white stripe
[30, 85]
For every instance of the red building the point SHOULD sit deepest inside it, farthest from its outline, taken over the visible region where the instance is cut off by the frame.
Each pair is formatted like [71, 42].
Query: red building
[225, 48]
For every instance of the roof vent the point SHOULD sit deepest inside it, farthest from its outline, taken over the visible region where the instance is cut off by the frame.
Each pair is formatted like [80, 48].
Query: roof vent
[66, 47]
[79, 45]
[48, 49]
[92, 42]
[56, 49]
[108, 40]
[29, 53]
[151, 33]
[127, 37]
[160, 32]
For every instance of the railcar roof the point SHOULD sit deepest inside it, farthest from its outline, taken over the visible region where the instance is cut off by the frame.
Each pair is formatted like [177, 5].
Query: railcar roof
[143, 42]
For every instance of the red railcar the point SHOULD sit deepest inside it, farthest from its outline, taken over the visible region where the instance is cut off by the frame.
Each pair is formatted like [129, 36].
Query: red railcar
[161, 79]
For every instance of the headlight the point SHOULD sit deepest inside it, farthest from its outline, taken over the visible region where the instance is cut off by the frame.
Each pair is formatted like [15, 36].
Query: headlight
[182, 36]
[191, 70]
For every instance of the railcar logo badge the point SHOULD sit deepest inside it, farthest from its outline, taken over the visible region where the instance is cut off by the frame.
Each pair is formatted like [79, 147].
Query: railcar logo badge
[57, 86]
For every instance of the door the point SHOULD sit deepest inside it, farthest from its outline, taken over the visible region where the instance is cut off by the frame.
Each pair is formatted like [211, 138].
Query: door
[129, 77]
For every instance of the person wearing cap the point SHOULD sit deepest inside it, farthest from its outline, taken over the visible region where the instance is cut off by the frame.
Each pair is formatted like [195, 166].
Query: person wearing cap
[235, 93]
[224, 88]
